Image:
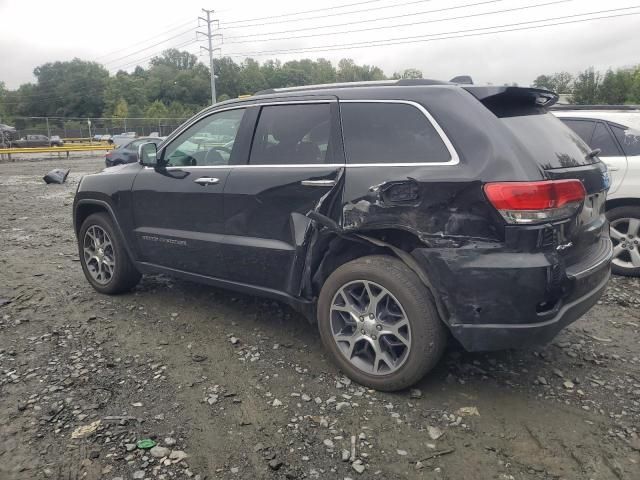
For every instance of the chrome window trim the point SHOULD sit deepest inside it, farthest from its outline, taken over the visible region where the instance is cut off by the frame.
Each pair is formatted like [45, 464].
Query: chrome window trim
[455, 159]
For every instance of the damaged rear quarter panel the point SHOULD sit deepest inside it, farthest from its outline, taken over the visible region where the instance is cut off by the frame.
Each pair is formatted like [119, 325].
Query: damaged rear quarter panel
[437, 201]
[463, 246]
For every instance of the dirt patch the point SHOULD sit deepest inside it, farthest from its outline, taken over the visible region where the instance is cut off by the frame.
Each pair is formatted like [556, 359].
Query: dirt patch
[232, 386]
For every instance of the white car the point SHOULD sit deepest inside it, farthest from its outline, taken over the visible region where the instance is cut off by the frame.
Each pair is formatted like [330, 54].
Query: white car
[619, 146]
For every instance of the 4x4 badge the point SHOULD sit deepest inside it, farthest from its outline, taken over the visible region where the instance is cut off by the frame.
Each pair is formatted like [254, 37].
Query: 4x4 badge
[564, 246]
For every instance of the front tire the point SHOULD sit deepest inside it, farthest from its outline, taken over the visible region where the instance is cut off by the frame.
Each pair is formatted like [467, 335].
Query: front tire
[625, 235]
[379, 323]
[105, 261]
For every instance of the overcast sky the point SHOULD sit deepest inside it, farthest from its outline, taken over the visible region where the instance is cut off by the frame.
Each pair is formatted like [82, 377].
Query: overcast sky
[121, 34]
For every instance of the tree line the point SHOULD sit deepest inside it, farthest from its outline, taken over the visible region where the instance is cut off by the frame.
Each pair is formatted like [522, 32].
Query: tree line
[591, 87]
[175, 85]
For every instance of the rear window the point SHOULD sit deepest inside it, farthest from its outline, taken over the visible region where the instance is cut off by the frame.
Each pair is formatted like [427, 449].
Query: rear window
[629, 140]
[549, 140]
[390, 133]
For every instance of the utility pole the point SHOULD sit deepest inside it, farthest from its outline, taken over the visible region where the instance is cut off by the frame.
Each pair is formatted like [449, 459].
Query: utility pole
[209, 21]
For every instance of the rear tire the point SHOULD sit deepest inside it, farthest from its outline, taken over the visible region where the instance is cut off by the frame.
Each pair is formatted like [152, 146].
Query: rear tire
[625, 235]
[105, 261]
[364, 337]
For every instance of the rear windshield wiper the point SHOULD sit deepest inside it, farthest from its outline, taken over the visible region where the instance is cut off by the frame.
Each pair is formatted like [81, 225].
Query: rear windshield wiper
[594, 153]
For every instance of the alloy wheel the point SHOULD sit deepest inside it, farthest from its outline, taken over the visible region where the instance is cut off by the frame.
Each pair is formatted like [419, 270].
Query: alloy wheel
[370, 327]
[625, 235]
[99, 255]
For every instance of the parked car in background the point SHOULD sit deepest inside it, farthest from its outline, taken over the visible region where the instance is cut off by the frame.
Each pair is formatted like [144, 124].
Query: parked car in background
[390, 213]
[128, 153]
[122, 138]
[619, 147]
[56, 141]
[38, 141]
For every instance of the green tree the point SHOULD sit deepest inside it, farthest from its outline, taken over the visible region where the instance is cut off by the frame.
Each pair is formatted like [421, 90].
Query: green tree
[228, 81]
[176, 59]
[251, 79]
[561, 82]
[585, 88]
[412, 73]
[74, 88]
[156, 110]
[3, 100]
[615, 86]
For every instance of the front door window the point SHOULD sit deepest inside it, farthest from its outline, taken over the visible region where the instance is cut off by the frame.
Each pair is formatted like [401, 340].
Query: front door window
[209, 142]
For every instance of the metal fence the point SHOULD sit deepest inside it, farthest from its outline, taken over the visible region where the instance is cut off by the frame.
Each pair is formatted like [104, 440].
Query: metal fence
[66, 127]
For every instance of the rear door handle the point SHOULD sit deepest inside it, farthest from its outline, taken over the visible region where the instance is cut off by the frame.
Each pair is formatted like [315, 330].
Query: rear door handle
[207, 181]
[318, 183]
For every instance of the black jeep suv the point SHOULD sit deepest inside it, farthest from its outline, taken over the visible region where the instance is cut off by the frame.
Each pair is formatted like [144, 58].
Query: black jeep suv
[391, 213]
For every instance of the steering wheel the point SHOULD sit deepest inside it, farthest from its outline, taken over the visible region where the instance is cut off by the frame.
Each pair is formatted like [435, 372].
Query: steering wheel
[214, 157]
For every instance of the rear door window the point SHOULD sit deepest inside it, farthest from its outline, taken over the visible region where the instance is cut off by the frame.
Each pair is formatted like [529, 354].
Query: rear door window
[603, 140]
[584, 128]
[629, 139]
[292, 135]
[390, 133]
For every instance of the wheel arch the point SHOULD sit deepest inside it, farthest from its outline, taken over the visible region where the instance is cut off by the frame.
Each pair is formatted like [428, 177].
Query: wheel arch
[622, 202]
[89, 206]
[345, 247]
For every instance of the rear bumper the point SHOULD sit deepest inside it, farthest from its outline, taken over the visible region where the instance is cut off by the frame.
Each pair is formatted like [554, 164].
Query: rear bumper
[496, 300]
[504, 336]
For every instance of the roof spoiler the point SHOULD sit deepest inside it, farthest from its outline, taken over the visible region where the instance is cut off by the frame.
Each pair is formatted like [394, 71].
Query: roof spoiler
[500, 98]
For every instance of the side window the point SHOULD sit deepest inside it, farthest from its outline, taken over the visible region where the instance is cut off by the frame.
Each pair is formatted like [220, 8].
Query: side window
[603, 140]
[584, 128]
[292, 134]
[390, 133]
[629, 139]
[207, 142]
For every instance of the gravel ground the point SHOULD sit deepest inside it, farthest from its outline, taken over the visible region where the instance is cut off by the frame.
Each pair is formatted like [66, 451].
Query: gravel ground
[232, 386]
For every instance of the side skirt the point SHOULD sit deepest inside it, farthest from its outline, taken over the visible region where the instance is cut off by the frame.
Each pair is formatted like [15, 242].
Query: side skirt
[305, 307]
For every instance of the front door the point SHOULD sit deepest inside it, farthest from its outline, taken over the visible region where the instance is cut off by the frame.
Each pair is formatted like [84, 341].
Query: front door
[179, 207]
[294, 168]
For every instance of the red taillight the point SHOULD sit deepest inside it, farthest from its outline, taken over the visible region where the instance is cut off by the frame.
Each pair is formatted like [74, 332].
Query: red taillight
[531, 202]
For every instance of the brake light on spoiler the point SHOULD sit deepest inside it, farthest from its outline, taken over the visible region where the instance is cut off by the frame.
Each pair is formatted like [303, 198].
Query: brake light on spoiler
[535, 202]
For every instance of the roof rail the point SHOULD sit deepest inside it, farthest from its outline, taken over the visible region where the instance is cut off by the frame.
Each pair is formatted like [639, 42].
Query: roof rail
[565, 106]
[375, 83]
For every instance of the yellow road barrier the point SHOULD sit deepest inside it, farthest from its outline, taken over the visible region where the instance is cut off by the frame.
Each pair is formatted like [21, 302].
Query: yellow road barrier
[65, 149]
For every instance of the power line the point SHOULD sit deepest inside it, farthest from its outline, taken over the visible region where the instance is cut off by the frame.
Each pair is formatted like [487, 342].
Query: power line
[303, 12]
[335, 14]
[149, 47]
[437, 20]
[426, 38]
[149, 57]
[484, 2]
[144, 41]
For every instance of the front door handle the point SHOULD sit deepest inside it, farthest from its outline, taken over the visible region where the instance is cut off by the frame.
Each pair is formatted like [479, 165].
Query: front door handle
[612, 168]
[318, 183]
[207, 181]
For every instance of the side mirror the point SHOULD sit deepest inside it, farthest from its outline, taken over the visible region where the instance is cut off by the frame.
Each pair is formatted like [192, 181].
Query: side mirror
[148, 154]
